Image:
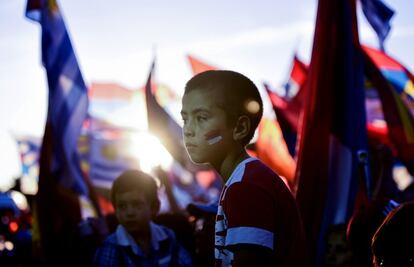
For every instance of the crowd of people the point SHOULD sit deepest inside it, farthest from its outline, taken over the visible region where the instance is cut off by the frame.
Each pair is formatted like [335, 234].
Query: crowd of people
[255, 221]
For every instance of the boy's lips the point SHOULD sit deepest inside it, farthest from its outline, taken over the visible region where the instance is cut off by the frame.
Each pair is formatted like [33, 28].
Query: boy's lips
[190, 145]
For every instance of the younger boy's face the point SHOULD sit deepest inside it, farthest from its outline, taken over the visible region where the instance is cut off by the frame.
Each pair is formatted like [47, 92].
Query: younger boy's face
[133, 210]
[207, 135]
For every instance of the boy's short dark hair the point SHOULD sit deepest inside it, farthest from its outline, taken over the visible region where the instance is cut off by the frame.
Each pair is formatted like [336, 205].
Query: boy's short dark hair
[135, 180]
[241, 96]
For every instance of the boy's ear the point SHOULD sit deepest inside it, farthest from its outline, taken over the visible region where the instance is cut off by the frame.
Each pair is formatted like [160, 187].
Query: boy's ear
[242, 128]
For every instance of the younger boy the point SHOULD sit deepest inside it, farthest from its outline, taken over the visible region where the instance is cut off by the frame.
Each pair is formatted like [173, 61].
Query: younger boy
[257, 223]
[138, 241]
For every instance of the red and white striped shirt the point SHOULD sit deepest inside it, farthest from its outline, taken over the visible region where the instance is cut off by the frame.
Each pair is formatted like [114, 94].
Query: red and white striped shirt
[257, 208]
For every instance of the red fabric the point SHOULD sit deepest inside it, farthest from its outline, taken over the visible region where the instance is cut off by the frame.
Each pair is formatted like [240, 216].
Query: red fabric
[110, 91]
[331, 81]
[398, 117]
[289, 112]
[198, 66]
[382, 60]
[256, 199]
[272, 150]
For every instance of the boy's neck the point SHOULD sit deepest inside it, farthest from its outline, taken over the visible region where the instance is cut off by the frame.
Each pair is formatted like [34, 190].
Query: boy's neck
[143, 240]
[230, 163]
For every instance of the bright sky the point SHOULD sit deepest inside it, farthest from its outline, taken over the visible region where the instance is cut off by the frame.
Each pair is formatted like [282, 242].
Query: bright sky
[116, 40]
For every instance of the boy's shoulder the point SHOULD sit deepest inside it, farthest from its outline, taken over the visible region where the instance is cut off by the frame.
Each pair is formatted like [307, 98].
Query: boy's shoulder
[256, 175]
[253, 170]
[111, 240]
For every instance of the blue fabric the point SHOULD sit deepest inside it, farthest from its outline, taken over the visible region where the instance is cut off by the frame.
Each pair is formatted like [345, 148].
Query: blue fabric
[117, 251]
[379, 16]
[68, 98]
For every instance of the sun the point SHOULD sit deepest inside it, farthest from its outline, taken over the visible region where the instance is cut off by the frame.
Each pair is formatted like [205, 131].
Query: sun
[149, 151]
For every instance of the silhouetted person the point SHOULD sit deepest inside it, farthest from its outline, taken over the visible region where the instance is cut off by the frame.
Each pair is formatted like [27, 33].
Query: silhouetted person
[393, 243]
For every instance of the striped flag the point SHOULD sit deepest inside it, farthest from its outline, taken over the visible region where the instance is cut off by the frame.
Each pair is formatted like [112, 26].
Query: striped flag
[334, 128]
[63, 189]
[289, 109]
[400, 121]
[399, 77]
[68, 98]
[297, 77]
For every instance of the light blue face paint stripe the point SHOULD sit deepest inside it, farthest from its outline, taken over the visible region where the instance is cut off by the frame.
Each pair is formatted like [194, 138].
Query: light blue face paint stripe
[214, 140]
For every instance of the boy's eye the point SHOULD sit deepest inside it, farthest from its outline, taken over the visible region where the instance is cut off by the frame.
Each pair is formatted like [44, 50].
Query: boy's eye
[137, 204]
[201, 118]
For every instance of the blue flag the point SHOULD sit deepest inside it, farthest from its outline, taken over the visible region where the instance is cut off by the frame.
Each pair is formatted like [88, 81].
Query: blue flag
[379, 16]
[68, 98]
[64, 191]
[162, 125]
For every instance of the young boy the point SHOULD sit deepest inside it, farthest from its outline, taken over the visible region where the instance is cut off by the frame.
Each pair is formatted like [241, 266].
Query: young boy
[138, 241]
[257, 223]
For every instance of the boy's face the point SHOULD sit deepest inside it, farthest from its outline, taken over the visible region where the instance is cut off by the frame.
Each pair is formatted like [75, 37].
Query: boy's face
[207, 135]
[133, 210]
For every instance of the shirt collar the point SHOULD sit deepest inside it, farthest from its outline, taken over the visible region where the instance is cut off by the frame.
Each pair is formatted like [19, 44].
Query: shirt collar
[125, 239]
[236, 174]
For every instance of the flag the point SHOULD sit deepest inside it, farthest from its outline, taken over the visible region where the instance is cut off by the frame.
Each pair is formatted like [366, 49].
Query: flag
[399, 119]
[29, 150]
[272, 150]
[109, 156]
[297, 77]
[68, 99]
[198, 66]
[162, 125]
[289, 109]
[378, 15]
[334, 128]
[61, 182]
[399, 77]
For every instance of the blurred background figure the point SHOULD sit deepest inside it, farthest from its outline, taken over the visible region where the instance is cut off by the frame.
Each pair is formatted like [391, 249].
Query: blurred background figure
[392, 244]
[362, 227]
[203, 218]
[338, 253]
[15, 229]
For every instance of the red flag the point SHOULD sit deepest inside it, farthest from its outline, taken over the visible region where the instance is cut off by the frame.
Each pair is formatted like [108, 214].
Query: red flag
[288, 111]
[198, 66]
[334, 128]
[272, 150]
[297, 78]
[110, 91]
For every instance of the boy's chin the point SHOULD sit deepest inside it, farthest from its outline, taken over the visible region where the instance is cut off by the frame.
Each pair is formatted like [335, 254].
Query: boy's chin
[198, 161]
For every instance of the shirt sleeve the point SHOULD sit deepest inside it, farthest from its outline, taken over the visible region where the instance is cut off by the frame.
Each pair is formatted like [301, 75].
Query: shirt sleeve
[250, 215]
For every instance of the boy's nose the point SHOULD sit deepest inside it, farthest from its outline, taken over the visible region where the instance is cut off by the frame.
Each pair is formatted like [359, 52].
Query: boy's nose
[187, 131]
[131, 211]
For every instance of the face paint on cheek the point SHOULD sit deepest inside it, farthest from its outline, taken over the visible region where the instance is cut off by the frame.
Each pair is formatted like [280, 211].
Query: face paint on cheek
[213, 137]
